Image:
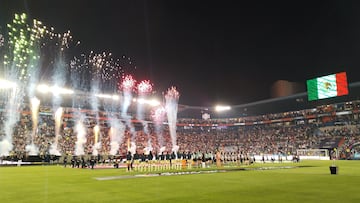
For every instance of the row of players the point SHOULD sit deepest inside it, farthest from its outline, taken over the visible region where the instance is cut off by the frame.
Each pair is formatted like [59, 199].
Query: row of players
[196, 159]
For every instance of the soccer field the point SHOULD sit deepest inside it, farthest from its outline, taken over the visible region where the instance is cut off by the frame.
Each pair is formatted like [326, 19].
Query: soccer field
[309, 181]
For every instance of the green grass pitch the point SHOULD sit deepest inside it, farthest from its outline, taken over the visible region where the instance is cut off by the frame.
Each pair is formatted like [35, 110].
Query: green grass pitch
[309, 182]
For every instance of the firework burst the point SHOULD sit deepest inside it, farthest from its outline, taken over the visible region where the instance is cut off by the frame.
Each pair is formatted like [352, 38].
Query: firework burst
[171, 106]
[144, 87]
[172, 93]
[21, 47]
[27, 42]
[128, 83]
[101, 68]
[158, 115]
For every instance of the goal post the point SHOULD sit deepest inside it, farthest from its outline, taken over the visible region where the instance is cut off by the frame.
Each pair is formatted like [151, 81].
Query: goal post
[313, 154]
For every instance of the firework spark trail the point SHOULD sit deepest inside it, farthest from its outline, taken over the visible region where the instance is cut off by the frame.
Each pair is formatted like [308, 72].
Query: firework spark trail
[117, 128]
[14, 69]
[133, 134]
[102, 68]
[78, 82]
[28, 41]
[78, 74]
[21, 46]
[105, 72]
[94, 102]
[79, 128]
[127, 98]
[159, 117]
[95, 73]
[80, 131]
[149, 147]
[97, 143]
[143, 89]
[25, 49]
[116, 133]
[52, 48]
[31, 44]
[58, 121]
[33, 77]
[97, 63]
[171, 106]
[49, 56]
[127, 85]
[14, 99]
[31, 147]
[59, 78]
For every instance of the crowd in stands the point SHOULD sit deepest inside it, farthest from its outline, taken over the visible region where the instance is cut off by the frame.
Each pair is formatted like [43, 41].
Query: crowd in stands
[276, 134]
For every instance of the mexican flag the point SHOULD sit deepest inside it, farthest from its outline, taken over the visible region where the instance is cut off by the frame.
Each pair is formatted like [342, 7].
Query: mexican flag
[327, 86]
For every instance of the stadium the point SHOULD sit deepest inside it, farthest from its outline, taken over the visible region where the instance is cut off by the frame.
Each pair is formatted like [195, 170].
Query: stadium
[289, 147]
[98, 135]
[329, 128]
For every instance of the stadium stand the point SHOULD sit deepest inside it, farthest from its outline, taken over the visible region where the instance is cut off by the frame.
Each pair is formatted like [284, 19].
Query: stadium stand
[331, 126]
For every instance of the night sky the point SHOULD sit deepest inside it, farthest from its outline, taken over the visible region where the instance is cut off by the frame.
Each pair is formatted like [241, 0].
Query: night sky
[226, 52]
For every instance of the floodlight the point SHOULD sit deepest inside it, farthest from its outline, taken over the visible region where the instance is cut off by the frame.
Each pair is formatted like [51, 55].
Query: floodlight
[59, 90]
[102, 95]
[115, 97]
[141, 101]
[53, 89]
[107, 96]
[152, 102]
[42, 88]
[5, 84]
[35, 101]
[222, 108]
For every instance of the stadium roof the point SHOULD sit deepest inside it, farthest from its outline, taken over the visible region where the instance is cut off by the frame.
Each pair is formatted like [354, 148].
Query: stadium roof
[275, 105]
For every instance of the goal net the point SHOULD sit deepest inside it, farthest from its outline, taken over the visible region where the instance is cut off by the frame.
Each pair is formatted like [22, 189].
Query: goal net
[314, 154]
